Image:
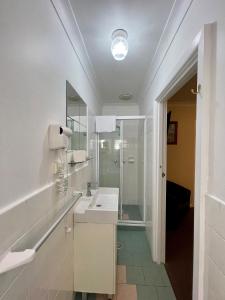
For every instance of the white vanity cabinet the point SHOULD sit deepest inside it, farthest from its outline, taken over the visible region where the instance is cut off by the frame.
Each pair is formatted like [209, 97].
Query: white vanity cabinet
[95, 258]
[62, 271]
[95, 244]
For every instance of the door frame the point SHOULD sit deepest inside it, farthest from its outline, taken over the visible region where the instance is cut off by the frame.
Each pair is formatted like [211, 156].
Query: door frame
[200, 53]
[124, 118]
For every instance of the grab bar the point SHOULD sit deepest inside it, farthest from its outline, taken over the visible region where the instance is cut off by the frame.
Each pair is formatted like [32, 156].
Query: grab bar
[15, 259]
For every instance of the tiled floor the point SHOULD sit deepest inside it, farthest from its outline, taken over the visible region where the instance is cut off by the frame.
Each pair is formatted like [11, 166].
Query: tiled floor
[150, 279]
[138, 277]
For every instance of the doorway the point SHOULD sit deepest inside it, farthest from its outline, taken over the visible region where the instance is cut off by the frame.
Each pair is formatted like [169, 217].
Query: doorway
[122, 165]
[181, 135]
[200, 58]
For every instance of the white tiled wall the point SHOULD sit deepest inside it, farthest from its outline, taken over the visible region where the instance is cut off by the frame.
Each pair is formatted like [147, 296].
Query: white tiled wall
[51, 272]
[45, 58]
[50, 275]
[215, 248]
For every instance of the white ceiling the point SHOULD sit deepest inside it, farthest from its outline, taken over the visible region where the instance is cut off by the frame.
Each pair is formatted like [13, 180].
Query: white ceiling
[144, 21]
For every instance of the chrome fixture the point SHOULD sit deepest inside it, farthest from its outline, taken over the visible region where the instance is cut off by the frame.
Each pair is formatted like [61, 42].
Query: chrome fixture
[88, 194]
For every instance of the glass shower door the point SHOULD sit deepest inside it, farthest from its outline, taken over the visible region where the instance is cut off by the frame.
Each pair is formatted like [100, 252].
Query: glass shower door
[132, 170]
[121, 164]
[109, 158]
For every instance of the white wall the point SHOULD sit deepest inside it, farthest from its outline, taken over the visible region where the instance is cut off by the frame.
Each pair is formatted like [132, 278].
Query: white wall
[121, 109]
[178, 36]
[36, 60]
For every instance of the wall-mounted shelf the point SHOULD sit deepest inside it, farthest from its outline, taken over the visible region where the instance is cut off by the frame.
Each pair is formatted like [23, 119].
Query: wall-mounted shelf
[81, 162]
[14, 259]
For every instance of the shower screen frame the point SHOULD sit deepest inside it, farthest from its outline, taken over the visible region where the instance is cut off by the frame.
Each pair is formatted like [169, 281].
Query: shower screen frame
[121, 221]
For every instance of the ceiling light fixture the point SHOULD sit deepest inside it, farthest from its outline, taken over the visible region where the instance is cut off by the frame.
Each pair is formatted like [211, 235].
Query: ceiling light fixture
[125, 96]
[119, 46]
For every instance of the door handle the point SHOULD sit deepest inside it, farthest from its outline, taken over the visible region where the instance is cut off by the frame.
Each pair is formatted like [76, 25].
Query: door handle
[163, 174]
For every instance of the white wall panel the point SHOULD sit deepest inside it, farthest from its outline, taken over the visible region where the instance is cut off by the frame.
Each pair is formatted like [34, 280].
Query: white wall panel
[36, 59]
[186, 22]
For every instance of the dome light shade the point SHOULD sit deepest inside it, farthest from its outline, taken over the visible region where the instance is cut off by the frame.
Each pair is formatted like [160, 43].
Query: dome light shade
[119, 46]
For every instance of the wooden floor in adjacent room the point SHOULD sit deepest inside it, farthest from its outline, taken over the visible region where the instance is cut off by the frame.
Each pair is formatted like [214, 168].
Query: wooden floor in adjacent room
[179, 257]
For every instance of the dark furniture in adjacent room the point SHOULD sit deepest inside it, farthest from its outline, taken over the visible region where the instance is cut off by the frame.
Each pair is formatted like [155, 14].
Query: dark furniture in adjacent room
[177, 203]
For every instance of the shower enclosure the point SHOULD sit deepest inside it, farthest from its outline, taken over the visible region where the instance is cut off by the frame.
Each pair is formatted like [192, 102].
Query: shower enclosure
[121, 156]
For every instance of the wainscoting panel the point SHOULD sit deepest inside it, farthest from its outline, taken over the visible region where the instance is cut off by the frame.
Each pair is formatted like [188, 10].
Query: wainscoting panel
[215, 248]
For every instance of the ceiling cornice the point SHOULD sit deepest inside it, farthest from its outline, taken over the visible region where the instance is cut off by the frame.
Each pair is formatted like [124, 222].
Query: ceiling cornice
[82, 42]
[67, 17]
[176, 17]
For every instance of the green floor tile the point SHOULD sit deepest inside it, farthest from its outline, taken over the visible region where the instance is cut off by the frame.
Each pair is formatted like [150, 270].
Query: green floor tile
[151, 279]
[135, 275]
[136, 242]
[145, 292]
[141, 259]
[137, 245]
[78, 296]
[164, 275]
[121, 249]
[141, 248]
[165, 293]
[122, 234]
[124, 258]
[153, 275]
[91, 296]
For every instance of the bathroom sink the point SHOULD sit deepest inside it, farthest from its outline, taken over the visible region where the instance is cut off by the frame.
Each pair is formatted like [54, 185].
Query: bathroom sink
[102, 207]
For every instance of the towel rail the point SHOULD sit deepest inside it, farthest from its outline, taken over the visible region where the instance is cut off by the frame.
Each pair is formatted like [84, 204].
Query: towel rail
[15, 259]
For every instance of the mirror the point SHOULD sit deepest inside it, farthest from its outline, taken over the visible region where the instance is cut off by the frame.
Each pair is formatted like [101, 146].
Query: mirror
[76, 118]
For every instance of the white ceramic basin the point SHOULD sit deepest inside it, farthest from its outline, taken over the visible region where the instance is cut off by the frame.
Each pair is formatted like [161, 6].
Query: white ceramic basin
[102, 207]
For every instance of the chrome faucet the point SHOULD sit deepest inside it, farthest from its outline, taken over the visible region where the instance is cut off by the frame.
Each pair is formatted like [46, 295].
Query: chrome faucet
[88, 194]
